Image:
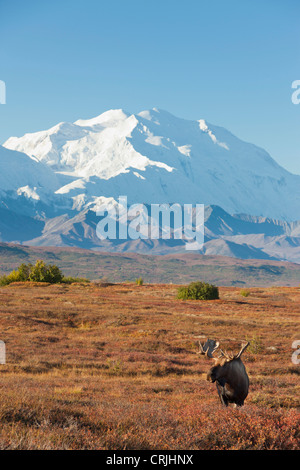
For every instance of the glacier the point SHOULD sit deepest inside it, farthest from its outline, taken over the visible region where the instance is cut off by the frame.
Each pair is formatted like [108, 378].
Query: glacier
[155, 157]
[56, 179]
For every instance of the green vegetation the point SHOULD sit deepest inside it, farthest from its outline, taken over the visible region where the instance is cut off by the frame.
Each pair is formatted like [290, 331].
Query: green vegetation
[39, 272]
[245, 292]
[198, 291]
[139, 281]
[255, 346]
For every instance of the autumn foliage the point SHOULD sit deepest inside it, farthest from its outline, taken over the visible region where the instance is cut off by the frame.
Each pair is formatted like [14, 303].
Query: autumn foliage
[101, 366]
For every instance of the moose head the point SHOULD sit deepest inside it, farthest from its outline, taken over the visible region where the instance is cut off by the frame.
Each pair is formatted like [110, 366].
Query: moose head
[228, 372]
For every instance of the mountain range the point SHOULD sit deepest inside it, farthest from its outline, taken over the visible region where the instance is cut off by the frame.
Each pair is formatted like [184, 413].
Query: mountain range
[53, 182]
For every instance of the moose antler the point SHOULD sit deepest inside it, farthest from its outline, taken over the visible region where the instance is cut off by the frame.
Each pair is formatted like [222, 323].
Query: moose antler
[244, 346]
[227, 355]
[211, 346]
[230, 356]
[208, 348]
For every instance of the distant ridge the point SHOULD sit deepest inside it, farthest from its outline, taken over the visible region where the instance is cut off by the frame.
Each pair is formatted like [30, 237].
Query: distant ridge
[177, 269]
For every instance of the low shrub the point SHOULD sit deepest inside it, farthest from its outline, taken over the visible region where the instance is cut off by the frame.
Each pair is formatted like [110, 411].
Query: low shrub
[198, 291]
[245, 292]
[40, 272]
[139, 281]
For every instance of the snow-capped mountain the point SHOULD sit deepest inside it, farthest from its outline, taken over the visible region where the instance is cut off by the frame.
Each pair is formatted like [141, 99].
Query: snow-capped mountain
[52, 183]
[155, 157]
[24, 175]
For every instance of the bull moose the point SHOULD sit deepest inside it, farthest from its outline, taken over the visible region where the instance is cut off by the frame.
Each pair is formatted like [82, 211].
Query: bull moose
[229, 373]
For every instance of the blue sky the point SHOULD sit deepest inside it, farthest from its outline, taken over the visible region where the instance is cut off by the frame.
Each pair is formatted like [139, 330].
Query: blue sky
[229, 62]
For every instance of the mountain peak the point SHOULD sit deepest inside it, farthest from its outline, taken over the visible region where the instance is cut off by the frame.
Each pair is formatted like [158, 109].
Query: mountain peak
[155, 157]
[111, 117]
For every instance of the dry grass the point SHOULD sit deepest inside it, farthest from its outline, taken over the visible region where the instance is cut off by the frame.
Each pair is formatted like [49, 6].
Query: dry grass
[114, 367]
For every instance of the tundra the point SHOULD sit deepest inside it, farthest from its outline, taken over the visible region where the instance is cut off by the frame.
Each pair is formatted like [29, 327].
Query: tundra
[228, 372]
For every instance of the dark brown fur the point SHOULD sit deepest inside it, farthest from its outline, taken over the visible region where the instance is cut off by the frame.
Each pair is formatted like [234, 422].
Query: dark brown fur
[232, 381]
[229, 374]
